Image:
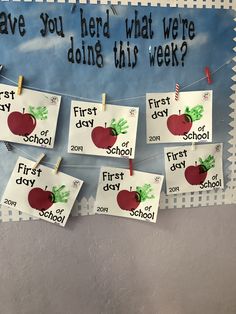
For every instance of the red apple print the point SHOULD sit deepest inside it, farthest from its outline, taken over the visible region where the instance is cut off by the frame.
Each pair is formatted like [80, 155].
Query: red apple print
[196, 175]
[21, 123]
[103, 137]
[42, 200]
[106, 137]
[130, 200]
[181, 124]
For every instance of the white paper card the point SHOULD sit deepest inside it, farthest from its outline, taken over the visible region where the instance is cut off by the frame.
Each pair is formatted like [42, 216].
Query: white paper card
[41, 193]
[123, 195]
[189, 119]
[110, 133]
[29, 118]
[190, 170]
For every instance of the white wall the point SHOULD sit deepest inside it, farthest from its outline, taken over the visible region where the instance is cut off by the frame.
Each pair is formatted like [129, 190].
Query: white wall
[184, 264]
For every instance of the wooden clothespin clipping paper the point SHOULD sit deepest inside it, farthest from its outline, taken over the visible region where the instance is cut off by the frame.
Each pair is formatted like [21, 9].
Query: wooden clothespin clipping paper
[57, 165]
[38, 161]
[20, 84]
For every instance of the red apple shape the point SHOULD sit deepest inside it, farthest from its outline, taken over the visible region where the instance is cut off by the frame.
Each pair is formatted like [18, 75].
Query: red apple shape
[128, 200]
[40, 199]
[21, 123]
[103, 137]
[179, 124]
[195, 175]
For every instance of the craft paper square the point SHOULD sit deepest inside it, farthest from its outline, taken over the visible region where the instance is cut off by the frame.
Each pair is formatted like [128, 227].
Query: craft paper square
[41, 193]
[189, 170]
[110, 133]
[189, 119]
[123, 195]
[29, 118]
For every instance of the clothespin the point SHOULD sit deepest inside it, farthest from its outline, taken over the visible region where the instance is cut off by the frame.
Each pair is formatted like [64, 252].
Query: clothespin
[38, 161]
[20, 83]
[8, 146]
[208, 75]
[193, 147]
[57, 165]
[73, 8]
[103, 101]
[131, 167]
[176, 91]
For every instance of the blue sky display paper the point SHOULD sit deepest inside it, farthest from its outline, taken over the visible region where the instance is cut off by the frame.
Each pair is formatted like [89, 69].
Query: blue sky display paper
[45, 43]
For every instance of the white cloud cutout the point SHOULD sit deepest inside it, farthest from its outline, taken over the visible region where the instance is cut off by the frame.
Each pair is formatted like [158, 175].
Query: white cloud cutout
[198, 40]
[42, 43]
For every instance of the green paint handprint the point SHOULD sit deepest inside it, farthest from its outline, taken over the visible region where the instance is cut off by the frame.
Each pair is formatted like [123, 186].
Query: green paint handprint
[119, 127]
[208, 163]
[59, 195]
[40, 113]
[144, 192]
[195, 113]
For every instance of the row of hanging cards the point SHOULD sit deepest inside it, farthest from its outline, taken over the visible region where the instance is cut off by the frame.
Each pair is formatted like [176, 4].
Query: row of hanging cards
[31, 118]
[51, 196]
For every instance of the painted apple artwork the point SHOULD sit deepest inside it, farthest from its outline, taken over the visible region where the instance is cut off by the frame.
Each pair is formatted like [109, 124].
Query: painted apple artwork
[196, 175]
[42, 200]
[105, 137]
[130, 200]
[21, 124]
[181, 124]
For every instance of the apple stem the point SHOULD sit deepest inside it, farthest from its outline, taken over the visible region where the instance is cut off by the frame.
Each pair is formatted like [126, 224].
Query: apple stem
[130, 189]
[105, 124]
[23, 110]
[179, 112]
[195, 163]
[46, 187]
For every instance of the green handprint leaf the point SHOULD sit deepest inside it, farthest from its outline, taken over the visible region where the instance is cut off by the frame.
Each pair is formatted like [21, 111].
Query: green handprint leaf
[208, 163]
[195, 113]
[119, 127]
[60, 195]
[40, 113]
[144, 192]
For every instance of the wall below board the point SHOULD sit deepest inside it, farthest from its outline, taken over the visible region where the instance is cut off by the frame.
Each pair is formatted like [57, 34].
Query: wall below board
[184, 264]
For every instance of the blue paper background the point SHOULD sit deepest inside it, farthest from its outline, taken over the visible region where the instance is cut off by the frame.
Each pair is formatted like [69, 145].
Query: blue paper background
[43, 62]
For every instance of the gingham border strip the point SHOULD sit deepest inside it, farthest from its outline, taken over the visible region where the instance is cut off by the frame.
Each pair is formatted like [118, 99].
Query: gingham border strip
[216, 4]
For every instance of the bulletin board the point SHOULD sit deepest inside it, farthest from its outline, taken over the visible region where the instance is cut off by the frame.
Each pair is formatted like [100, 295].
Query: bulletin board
[45, 53]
